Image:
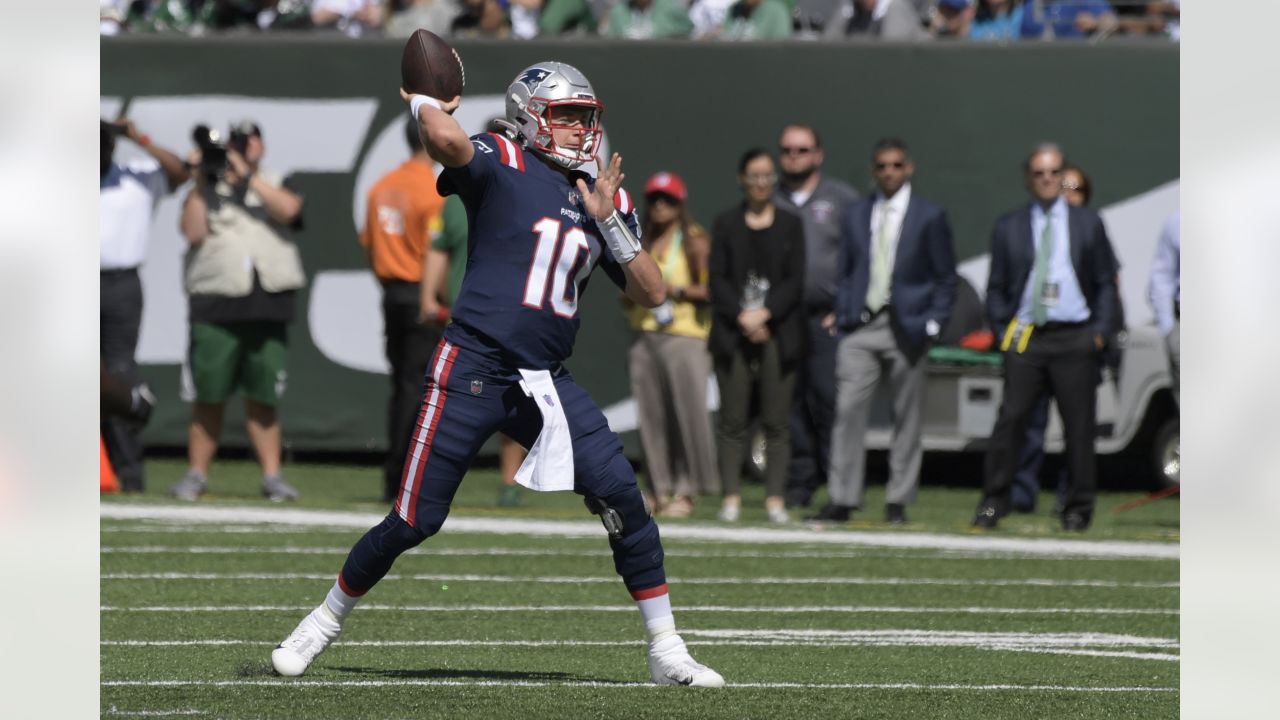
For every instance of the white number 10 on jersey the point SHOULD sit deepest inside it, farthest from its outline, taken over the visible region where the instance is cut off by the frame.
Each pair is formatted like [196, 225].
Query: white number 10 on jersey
[556, 267]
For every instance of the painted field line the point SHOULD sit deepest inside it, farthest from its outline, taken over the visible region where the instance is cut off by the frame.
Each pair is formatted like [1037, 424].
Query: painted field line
[622, 685]
[765, 609]
[588, 528]
[601, 550]
[611, 579]
[934, 638]
[153, 713]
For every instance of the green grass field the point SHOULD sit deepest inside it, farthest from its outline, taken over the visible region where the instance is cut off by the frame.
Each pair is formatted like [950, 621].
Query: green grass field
[501, 618]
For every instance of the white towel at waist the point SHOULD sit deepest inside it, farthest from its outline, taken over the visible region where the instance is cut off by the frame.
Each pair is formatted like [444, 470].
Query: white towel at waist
[549, 464]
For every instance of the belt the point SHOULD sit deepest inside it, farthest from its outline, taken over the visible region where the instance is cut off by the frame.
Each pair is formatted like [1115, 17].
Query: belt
[117, 271]
[1055, 325]
[868, 315]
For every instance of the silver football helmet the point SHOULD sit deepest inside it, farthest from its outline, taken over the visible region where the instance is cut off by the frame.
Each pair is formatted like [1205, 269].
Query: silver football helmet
[536, 90]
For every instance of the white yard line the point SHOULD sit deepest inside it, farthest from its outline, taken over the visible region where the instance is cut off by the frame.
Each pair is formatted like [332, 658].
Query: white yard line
[793, 609]
[715, 533]
[611, 579]
[621, 685]
[601, 550]
[153, 713]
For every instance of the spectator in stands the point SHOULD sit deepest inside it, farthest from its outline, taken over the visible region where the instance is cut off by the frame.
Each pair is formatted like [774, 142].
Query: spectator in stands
[668, 360]
[821, 201]
[1069, 19]
[757, 328]
[560, 17]
[351, 17]
[813, 17]
[998, 20]
[1165, 293]
[1168, 14]
[648, 19]
[524, 16]
[880, 19]
[433, 15]
[708, 17]
[1052, 309]
[757, 20]
[481, 19]
[242, 273]
[953, 19]
[128, 194]
[896, 286]
[402, 215]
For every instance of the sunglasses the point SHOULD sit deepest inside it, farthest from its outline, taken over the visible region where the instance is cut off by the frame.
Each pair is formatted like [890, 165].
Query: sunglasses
[796, 150]
[662, 197]
[894, 165]
[1046, 173]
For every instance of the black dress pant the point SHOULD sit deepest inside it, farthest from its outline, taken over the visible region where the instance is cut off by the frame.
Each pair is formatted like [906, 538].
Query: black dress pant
[409, 347]
[120, 318]
[812, 413]
[1062, 360]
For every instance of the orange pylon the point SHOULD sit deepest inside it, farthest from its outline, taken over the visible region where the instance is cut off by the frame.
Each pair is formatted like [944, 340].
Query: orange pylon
[107, 482]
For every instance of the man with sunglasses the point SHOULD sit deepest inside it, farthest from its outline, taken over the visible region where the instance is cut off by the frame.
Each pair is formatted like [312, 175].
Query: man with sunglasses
[896, 287]
[820, 201]
[537, 228]
[1051, 300]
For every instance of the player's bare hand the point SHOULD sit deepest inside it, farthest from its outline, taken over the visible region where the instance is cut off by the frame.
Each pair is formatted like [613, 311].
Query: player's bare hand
[829, 323]
[600, 202]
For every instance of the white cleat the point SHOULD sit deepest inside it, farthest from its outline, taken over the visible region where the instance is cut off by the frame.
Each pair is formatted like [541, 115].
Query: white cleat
[292, 657]
[671, 664]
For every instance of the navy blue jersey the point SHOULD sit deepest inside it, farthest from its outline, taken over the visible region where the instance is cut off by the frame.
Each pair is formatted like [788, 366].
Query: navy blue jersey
[531, 248]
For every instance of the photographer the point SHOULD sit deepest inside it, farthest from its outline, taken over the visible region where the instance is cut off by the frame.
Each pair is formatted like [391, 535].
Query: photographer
[242, 270]
[128, 194]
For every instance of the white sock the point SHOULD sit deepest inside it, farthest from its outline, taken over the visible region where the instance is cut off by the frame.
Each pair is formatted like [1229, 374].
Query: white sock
[659, 623]
[339, 604]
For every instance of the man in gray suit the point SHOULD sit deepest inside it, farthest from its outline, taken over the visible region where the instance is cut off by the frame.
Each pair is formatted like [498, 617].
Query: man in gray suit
[896, 286]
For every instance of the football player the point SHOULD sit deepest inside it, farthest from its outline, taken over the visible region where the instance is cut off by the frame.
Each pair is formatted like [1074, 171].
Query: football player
[538, 226]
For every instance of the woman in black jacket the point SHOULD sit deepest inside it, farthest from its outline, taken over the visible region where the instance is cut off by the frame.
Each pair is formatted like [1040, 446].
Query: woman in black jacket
[757, 328]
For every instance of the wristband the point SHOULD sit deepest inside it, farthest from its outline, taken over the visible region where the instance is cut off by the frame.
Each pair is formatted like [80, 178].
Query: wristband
[418, 101]
[624, 245]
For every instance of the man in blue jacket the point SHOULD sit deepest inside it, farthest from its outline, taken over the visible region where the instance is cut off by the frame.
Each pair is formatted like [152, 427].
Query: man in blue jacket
[896, 285]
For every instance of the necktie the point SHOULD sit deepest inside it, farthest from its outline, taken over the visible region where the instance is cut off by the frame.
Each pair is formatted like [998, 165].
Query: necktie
[881, 264]
[1039, 313]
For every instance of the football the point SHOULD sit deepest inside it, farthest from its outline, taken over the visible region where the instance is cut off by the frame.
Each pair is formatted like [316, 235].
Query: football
[430, 66]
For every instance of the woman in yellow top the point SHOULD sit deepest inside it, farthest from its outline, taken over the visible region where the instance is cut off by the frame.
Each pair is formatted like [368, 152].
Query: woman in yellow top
[670, 365]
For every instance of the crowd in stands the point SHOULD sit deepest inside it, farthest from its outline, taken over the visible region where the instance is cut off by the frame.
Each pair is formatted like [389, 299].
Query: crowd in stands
[897, 20]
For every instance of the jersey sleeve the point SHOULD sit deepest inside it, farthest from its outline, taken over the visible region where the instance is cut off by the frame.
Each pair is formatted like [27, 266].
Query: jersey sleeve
[470, 180]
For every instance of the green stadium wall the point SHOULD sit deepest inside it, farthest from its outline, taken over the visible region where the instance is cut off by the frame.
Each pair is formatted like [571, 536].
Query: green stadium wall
[331, 113]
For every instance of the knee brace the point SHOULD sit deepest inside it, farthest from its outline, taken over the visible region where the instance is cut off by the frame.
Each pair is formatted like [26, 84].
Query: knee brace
[374, 553]
[633, 535]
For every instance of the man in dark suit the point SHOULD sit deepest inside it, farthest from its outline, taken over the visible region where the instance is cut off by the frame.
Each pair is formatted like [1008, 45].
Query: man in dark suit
[1051, 300]
[895, 288]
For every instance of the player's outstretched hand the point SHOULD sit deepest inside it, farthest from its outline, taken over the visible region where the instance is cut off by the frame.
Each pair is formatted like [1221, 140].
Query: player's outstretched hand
[448, 107]
[600, 203]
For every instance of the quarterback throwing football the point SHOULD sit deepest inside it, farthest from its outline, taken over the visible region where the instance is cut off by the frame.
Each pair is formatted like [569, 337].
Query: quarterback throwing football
[538, 227]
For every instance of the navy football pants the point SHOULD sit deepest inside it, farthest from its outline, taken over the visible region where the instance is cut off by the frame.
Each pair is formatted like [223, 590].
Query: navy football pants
[468, 398]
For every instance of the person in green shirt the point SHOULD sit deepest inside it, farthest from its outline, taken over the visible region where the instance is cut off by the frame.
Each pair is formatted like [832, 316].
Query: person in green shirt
[648, 19]
[757, 20]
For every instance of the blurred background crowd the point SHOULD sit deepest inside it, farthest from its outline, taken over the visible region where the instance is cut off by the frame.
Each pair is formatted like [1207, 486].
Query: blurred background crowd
[896, 20]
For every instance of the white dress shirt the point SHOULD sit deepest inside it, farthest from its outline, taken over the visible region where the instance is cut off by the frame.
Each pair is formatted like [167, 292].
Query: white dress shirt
[128, 195]
[897, 211]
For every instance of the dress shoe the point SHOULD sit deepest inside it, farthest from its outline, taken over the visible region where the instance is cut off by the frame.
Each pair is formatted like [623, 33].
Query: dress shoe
[895, 514]
[987, 517]
[832, 513]
[1075, 522]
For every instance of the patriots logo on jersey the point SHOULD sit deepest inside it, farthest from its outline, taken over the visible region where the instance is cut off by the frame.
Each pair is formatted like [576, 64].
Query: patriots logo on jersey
[532, 77]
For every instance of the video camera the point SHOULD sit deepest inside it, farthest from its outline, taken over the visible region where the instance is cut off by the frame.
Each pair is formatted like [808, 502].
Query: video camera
[214, 145]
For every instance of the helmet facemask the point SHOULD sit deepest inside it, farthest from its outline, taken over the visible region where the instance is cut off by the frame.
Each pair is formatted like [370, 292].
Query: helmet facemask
[542, 140]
